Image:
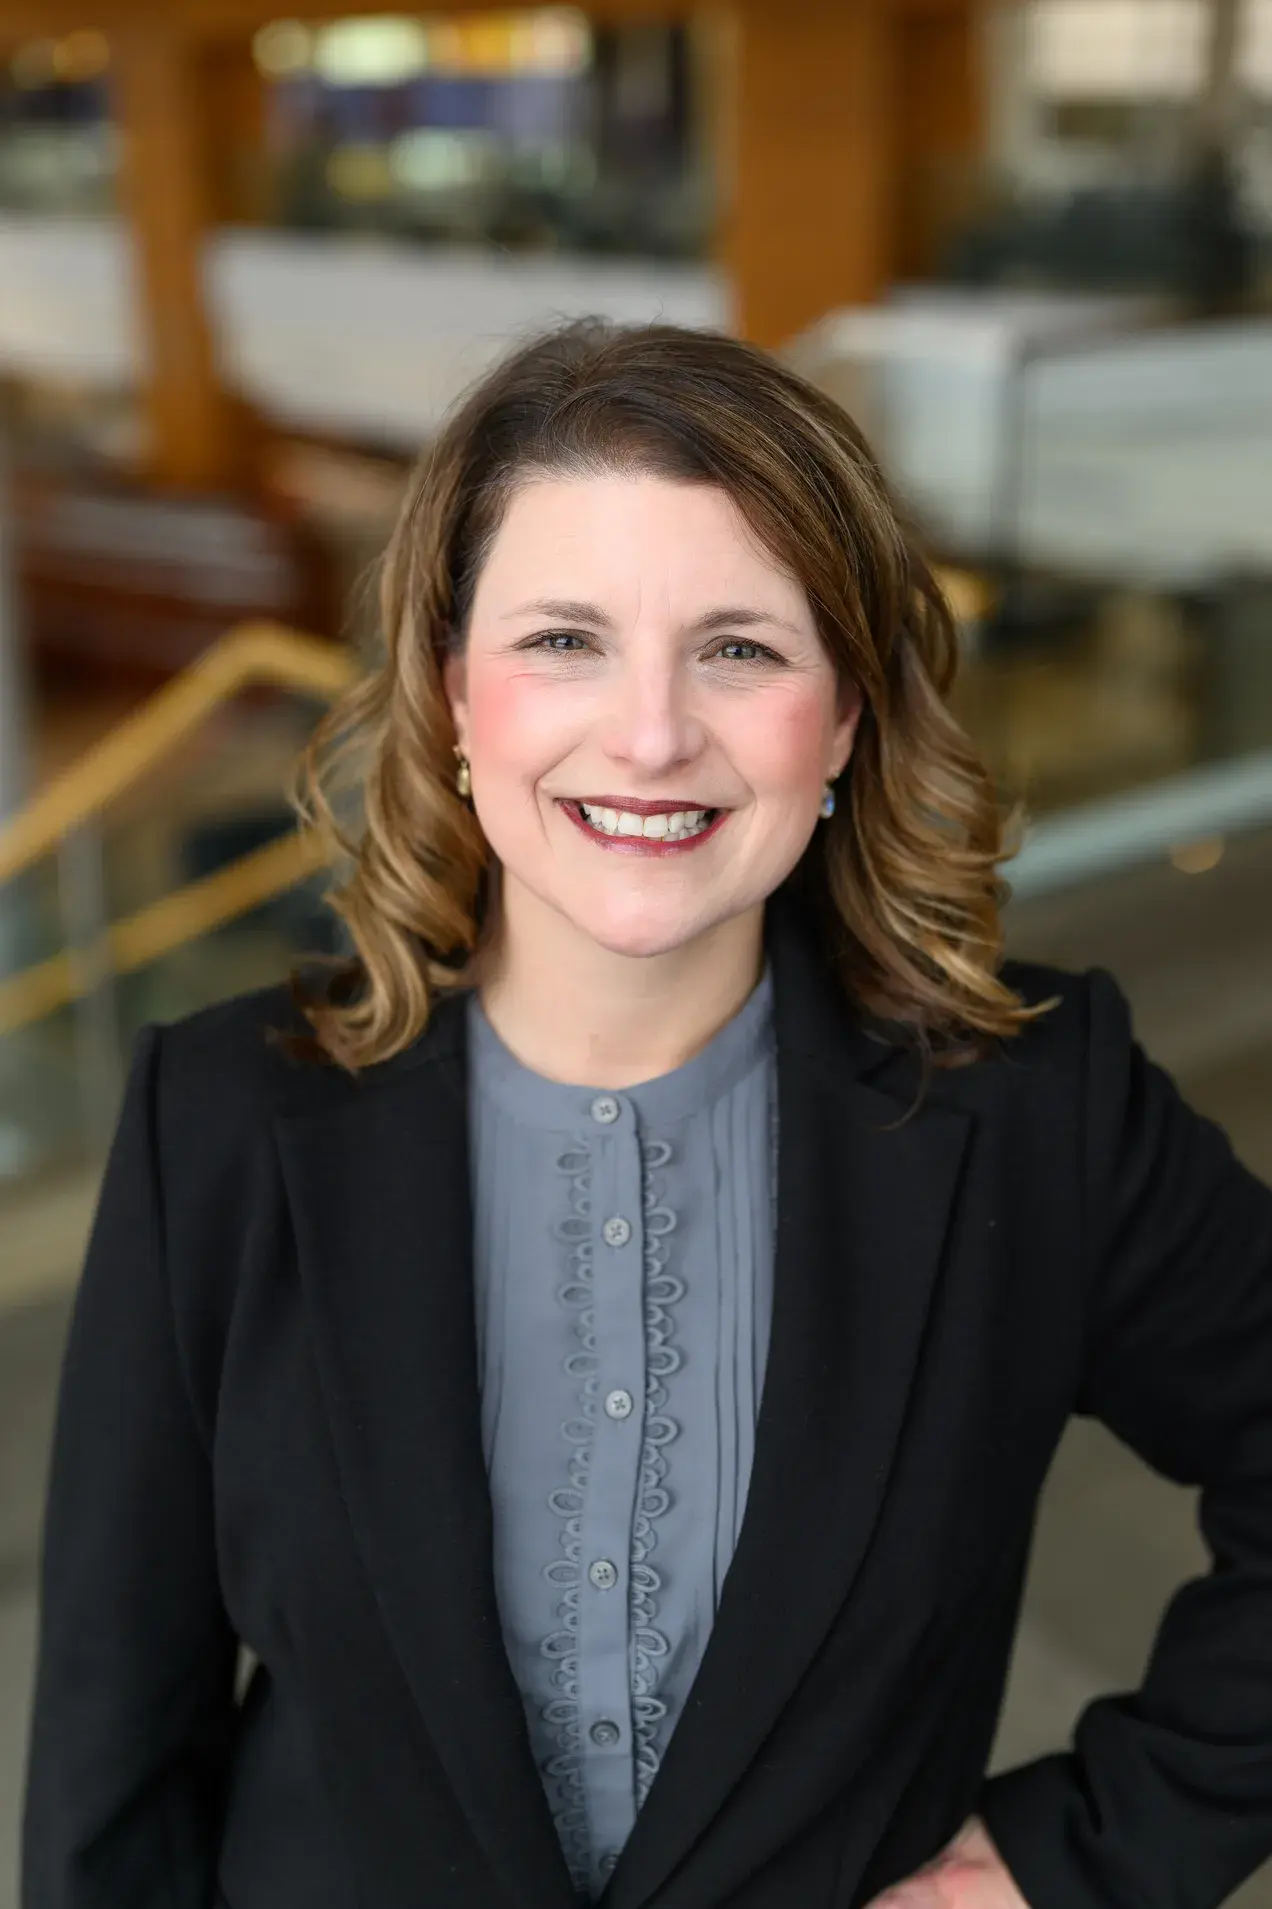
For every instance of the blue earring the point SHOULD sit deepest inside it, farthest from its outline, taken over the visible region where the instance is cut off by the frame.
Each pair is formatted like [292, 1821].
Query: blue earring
[828, 802]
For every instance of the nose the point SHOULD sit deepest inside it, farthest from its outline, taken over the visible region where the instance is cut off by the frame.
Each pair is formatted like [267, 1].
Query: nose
[649, 722]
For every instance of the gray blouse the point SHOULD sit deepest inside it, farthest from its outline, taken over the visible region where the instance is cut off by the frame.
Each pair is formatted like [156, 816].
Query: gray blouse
[623, 1280]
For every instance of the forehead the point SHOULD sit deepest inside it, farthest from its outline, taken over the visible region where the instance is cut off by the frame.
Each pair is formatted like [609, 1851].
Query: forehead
[609, 535]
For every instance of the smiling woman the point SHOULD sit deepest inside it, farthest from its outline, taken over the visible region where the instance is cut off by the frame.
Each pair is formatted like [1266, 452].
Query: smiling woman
[644, 778]
[649, 573]
[611, 1401]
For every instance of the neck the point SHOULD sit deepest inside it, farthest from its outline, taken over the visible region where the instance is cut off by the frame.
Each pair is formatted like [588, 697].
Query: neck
[576, 1012]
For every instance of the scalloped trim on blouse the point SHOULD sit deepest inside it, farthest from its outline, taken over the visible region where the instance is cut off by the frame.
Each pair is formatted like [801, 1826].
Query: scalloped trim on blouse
[561, 1646]
[649, 1645]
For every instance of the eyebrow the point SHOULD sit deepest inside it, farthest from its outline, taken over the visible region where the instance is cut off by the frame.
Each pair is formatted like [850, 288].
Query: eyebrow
[733, 616]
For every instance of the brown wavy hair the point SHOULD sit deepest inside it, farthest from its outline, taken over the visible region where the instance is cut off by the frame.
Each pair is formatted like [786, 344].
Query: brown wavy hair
[903, 878]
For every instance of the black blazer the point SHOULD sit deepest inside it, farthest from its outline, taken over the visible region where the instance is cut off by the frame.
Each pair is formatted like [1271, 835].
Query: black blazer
[268, 1431]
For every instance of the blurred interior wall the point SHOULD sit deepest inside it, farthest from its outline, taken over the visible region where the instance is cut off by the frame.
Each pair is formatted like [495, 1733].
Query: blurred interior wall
[14, 735]
[1012, 109]
[845, 134]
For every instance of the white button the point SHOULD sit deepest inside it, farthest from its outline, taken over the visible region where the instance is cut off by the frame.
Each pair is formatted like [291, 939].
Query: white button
[616, 1231]
[605, 1109]
[605, 1733]
[618, 1403]
[603, 1574]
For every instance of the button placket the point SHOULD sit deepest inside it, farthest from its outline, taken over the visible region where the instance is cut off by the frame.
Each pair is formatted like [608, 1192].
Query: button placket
[605, 1526]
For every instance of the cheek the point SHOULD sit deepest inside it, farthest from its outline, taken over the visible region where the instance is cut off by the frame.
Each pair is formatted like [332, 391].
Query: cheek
[780, 742]
[512, 721]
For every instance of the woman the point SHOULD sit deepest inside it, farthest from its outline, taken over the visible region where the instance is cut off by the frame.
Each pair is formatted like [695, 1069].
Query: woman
[600, 1351]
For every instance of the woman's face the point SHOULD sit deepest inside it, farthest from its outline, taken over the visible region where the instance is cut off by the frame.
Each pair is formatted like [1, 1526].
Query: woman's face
[635, 659]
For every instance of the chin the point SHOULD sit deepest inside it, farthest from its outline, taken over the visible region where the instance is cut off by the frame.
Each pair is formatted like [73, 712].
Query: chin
[640, 932]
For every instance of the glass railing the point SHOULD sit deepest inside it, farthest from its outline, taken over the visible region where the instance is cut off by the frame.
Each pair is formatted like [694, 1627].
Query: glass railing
[1104, 467]
[150, 881]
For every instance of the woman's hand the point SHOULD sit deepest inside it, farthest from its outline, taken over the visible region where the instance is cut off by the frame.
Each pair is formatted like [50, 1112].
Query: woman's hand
[968, 1874]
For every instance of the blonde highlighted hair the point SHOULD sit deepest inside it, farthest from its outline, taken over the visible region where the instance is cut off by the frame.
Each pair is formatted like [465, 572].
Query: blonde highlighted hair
[903, 878]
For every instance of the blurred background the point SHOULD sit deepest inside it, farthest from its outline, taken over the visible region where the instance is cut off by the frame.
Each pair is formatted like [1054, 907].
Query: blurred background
[246, 262]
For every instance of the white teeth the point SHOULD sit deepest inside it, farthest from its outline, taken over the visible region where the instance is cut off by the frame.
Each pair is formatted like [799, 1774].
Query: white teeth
[672, 828]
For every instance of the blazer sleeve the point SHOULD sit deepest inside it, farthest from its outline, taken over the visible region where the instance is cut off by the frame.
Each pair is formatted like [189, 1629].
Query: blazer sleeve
[134, 1694]
[1165, 1797]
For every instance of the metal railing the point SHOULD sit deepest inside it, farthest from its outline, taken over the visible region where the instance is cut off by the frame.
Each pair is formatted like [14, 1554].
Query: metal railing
[66, 819]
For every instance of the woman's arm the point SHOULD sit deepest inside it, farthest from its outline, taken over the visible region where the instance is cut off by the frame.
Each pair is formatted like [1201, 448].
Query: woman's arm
[1166, 1796]
[134, 1698]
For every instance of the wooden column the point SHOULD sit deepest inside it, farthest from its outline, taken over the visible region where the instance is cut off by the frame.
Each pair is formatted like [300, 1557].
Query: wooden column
[234, 120]
[942, 115]
[810, 160]
[200, 439]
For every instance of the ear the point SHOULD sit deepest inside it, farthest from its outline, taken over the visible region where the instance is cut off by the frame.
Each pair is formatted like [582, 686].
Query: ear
[851, 702]
[455, 684]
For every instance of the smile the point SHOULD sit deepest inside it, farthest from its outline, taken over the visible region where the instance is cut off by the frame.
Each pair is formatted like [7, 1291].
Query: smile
[650, 829]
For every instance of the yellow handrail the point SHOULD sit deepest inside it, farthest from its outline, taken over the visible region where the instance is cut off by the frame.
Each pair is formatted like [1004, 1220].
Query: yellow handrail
[251, 653]
[161, 927]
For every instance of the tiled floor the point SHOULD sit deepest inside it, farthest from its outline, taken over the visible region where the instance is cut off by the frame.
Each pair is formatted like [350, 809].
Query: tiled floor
[1195, 954]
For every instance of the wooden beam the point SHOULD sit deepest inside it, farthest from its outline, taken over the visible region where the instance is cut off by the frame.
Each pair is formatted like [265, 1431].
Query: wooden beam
[197, 433]
[810, 161]
[232, 19]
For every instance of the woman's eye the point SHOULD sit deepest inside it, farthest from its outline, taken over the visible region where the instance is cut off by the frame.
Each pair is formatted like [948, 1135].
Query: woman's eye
[743, 651]
[557, 641]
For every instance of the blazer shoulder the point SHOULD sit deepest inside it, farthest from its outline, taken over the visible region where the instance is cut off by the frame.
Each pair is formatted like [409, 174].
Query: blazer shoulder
[1078, 1051]
[1038, 981]
[230, 1055]
[1086, 1016]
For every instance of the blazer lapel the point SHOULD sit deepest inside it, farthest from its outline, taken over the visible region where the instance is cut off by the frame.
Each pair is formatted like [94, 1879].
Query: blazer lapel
[377, 1181]
[863, 1204]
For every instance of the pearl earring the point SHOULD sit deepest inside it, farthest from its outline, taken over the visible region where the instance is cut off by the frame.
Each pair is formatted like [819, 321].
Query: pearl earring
[828, 801]
[463, 776]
